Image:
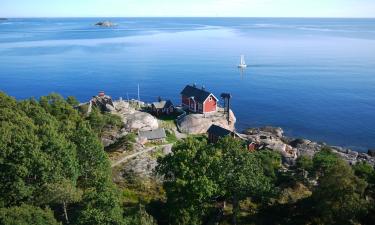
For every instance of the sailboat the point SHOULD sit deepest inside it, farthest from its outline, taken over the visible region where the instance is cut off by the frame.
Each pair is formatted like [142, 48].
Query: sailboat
[242, 62]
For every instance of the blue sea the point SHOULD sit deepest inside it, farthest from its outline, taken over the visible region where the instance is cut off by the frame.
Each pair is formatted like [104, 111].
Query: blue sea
[315, 78]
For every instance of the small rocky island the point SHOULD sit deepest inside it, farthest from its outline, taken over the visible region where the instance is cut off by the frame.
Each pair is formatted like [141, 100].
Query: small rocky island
[105, 24]
[3, 19]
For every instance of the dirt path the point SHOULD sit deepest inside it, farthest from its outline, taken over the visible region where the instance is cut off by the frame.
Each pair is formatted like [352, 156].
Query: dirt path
[126, 158]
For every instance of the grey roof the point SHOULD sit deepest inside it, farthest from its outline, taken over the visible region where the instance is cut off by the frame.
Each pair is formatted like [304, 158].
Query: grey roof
[153, 134]
[219, 131]
[162, 104]
[198, 94]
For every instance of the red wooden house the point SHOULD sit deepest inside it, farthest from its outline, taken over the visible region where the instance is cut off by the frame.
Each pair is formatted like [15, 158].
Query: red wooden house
[198, 100]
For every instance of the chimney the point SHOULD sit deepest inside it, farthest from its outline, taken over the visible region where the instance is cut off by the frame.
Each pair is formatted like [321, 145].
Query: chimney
[203, 88]
[194, 85]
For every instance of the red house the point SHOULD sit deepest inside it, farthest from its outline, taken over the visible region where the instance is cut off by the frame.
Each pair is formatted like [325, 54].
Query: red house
[198, 100]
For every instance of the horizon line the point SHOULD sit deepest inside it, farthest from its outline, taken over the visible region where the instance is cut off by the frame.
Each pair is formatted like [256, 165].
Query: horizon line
[277, 17]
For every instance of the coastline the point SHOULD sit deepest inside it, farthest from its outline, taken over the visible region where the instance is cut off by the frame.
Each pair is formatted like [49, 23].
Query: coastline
[267, 137]
[291, 148]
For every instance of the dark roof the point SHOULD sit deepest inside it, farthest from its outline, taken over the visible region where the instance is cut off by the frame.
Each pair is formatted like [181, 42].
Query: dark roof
[162, 104]
[198, 94]
[218, 131]
[153, 134]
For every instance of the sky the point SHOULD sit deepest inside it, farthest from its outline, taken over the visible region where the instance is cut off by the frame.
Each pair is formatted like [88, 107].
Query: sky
[187, 8]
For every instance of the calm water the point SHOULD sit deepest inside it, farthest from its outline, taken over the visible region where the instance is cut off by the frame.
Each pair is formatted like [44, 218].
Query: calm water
[313, 77]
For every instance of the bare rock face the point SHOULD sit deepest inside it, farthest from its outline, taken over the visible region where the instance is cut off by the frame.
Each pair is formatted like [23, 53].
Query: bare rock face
[140, 121]
[276, 131]
[199, 123]
[105, 24]
[133, 119]
[123, 107]
[142, 166]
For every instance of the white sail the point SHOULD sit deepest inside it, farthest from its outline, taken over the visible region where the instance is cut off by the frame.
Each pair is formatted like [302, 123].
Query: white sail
[242, 62]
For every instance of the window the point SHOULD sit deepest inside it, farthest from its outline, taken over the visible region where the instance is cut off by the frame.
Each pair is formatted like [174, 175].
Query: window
[210, 99]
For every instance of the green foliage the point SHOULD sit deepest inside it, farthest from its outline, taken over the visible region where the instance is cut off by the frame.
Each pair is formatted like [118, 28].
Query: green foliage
[365, 171]
[71, 100]
[171, 137]
[197, 174]
[125, 143]
[112, 120]
[50, 156]
[188, 180]
[339, 196]
[101, 205]
[63, 193]
[305, 163]
[304, 167]
[271, 162]
[98, 120]
[324, 160]
[239, 173]
[140, 216]
[27, 215]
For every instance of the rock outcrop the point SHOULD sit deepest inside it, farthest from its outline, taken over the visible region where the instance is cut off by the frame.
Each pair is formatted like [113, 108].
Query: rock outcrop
[272, 138]
[199, 123]
[290, 149]
[133, 119]
[102, 102]
[276, 131]
[142, 166]
[140, 121]
[105, 24]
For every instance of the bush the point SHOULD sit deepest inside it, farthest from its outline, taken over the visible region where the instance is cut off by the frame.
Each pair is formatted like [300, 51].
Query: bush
[125, 143]
[27, 215]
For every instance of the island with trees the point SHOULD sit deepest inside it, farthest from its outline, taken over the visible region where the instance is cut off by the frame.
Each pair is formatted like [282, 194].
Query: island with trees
[58, 166]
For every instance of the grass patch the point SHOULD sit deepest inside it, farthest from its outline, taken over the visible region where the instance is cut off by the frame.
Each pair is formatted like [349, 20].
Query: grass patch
[200, 137]
[125, 143]
[137, 189]
[171, 137]
[129, 196]
[168, 121]
[157, 154]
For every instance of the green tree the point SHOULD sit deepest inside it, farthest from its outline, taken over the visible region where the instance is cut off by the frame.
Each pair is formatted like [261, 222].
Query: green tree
[71, 100]
[197, 175]
[27, 215]
[101, 205]
[339, 198]
[270, 161]
[96, 120]
[304, 166]
[324, 160]
[63, 193]
[141, 217]
[365, 171]
[188, 180]
[48, 155]
[239, 173]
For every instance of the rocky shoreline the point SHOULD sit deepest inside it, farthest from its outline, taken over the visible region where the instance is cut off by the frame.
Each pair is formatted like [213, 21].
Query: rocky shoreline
[291, 148]
[268, 137]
